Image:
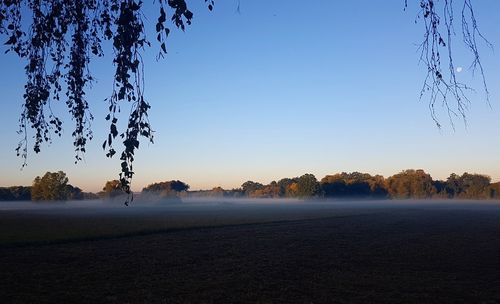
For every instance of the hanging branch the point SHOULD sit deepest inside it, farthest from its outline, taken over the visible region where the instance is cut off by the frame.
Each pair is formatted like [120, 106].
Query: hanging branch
[440, 83]
[58, 46]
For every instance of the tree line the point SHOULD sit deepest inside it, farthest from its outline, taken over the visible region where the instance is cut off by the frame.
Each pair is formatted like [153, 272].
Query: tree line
[407, 184]
[52, 186]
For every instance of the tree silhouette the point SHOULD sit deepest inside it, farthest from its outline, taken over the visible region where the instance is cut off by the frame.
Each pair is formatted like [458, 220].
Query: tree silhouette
[437, 54]
[63, 36]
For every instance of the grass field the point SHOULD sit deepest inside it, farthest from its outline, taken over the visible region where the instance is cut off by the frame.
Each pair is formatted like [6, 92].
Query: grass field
[251, 252]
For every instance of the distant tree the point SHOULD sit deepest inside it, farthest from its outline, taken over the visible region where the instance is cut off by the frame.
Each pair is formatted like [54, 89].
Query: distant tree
[217, 192]
[334, 185]
[411, 184]
[474, 186]
[271, 190]
[453, 185]
[74, 193]
[285, 187]
[494, 190]
[293, 189]
[471, 186]
[21, 193]
[235, 192]
[308, 186]
[5, 194]
[15, 193]
[166, 189]
[179, 186]
[53, 186]
[354, 184]
[112, 189]
[378, 186]
[249, 186]
[440, 188]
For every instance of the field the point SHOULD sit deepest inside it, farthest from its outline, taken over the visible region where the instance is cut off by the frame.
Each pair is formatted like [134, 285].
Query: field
[251, 252]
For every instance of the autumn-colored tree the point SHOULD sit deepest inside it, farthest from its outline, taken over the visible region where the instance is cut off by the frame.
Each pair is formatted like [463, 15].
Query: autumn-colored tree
[74, 193]
[52, 186]
[249, 186]
[164, 192]
[475, 185]
[217, 192]
[271, 190]
[411, 184]
[112, 189]
[354, 184]
[166, 189]
[494, 190]
[284, 185]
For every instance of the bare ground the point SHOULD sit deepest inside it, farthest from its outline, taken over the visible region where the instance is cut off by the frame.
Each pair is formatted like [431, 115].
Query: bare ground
[324, 255]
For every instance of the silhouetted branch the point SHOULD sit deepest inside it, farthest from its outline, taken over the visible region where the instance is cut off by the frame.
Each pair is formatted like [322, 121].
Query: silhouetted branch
[441, 83]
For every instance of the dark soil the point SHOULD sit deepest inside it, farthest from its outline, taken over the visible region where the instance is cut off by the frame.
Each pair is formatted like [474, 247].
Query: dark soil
[387, 255]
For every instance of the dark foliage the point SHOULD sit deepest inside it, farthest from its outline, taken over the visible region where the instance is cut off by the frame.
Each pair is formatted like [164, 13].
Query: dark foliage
[250, 186]
[166, 188]
[354, 184]
[16, 193]
[468, 186]
[308, 186]
[112, 189]
[62, 38]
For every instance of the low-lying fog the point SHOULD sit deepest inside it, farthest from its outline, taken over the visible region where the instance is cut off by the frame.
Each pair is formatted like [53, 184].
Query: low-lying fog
[206, 203]
[27, 222]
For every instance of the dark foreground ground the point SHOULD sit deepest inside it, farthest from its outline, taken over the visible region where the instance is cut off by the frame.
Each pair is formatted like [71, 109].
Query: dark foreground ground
[253, 254]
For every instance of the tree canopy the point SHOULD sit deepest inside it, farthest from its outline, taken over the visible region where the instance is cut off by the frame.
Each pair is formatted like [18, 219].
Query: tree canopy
[169, 188]
[112, 189]
[53, 186]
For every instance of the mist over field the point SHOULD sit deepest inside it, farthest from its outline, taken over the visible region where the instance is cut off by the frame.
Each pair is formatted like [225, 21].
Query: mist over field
[25, 222]
[246, 250]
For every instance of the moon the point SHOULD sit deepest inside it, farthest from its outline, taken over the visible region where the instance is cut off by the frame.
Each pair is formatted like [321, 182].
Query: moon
[459, 69]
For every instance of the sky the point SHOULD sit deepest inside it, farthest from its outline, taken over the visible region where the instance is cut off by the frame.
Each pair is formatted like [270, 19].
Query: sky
[279, 89]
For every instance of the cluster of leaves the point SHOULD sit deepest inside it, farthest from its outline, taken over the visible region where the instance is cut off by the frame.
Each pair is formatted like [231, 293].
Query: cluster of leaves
[58, 45]
[442, 83]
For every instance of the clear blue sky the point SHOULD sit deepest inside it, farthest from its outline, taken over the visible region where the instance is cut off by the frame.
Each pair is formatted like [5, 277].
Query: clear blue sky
[280, 90]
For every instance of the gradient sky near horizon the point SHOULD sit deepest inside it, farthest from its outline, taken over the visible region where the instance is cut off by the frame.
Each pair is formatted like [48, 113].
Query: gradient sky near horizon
[278, 90]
